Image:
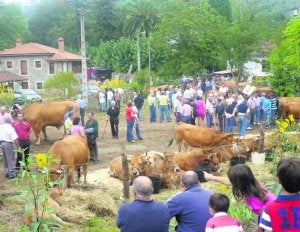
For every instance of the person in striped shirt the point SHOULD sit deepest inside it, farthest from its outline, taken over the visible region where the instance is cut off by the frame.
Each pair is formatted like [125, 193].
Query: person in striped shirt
[221, 221]
[273, 101]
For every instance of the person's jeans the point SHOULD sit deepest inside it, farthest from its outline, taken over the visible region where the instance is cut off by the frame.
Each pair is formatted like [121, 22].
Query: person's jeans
[137, 129]
[164, 110]
[108, 103]
[139, 114]
[101, 106]
[187, 119]
[152, 110]
[257, 114]
[242, 125]
[229, 124]
[273, 117]
[209, 119]
[129, 134]
[267, 116]
[24, 145]
[82, 112]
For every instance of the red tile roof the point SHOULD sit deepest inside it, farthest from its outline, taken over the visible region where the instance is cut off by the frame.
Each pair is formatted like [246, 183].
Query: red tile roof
[6, 76]
[32, 49]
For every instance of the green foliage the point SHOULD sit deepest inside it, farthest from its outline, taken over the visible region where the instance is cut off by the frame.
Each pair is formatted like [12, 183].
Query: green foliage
[116, 54]
[62, 81]
[6, 97]
[285, 61]
[223, 7]
[188, 38]
[34, 190]
[12, 25]
[141, 80]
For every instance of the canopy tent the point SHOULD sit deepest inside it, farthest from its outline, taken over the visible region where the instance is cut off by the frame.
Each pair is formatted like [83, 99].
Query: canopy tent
[224, 72]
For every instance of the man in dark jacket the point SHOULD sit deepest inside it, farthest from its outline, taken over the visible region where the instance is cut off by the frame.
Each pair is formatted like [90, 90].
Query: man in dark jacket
[113, 115]
[220, 108]
[91, 131]
[138, 102]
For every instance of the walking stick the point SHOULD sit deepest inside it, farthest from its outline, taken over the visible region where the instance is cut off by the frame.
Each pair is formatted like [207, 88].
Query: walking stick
[104, 129]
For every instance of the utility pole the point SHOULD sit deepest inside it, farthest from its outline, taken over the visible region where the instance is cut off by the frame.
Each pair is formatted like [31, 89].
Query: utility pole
[83, 55]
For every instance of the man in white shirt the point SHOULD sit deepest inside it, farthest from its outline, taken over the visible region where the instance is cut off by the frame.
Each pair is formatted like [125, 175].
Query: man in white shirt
[178, 108]
[109, 96]
[101, 99]
[8, 137]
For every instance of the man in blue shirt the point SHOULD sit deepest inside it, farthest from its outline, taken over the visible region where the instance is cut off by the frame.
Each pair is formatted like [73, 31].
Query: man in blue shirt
[82, 106]
[191, 206]
[266, 106]
[143, 214]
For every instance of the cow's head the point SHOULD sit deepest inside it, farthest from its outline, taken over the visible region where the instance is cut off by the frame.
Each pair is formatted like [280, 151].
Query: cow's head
[170, 163]
[138, 163]
[214, 159]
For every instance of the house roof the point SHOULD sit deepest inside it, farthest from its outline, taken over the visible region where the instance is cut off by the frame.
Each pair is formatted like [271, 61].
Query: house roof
[33, 49]
[6, 76]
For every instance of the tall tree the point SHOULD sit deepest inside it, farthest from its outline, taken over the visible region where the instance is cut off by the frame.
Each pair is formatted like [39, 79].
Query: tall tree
[12, 25]
[223, 7]
[141, 17]
[189, 37]
[285, 61]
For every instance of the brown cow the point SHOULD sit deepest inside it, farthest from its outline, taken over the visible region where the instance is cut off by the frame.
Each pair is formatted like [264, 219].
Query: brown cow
[191, 162]
[283, 100]
[43, 114]
[116, 167]
[292, 108]
[202, 137]
[72, 152]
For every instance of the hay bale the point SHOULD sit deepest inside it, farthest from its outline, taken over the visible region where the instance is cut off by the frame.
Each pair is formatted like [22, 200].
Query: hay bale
[80, 206]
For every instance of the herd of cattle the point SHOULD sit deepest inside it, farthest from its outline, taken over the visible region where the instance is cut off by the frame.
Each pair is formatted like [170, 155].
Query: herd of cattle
[207, 146]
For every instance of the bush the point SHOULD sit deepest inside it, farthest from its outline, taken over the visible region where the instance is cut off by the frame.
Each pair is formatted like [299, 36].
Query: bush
[6, 97]
[60, 82]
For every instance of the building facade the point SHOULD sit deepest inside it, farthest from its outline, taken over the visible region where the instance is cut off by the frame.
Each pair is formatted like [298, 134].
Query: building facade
[37, 63]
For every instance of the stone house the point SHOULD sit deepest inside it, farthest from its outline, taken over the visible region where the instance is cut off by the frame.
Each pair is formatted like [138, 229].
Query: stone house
[37, 63]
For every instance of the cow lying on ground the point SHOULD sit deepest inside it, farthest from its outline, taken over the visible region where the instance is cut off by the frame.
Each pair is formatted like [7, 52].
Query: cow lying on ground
[71, 153]
[151, 163]
[43, 114]
[202, 137]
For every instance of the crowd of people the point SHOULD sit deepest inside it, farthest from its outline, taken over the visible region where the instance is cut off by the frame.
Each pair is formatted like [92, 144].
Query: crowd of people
[198, 210]
[197, 105]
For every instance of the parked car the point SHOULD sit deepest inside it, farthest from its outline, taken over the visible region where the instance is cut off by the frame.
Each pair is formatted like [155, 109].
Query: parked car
[26, 95]
[91, 89]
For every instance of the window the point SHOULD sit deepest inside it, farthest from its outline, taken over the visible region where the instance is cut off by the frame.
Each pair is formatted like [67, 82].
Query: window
[76, 67]
[38, 64]
[9, 64]
[39, 85]
[51, 68]
[24, 70]
[24, 85]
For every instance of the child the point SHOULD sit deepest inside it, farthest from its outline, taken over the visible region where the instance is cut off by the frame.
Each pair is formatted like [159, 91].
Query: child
[245, 186]
[283, 214]
[221, 221]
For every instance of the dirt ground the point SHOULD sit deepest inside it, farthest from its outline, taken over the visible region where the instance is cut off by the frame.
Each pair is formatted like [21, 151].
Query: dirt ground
[156, 137]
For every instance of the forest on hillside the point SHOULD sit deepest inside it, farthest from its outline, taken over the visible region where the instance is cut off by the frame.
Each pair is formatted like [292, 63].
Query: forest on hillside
[175, 37]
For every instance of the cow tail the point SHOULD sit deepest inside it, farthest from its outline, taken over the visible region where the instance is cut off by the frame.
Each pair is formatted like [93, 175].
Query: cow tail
[171, 141]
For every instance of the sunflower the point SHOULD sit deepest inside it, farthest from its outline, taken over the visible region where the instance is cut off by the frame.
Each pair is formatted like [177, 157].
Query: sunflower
[41, 160]
[285, 125]
[222, 187]
[278, 123]
[291, 118]
[281, 129]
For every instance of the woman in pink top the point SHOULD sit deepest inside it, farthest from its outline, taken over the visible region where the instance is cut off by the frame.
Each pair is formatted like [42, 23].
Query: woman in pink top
[77, 129]
[200, 110]
[245, 187]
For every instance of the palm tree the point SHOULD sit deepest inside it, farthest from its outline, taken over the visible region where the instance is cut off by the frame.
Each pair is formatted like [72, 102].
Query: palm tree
[141, 17]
